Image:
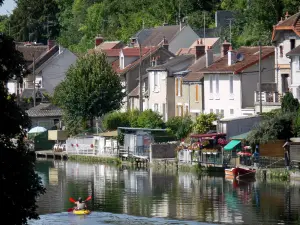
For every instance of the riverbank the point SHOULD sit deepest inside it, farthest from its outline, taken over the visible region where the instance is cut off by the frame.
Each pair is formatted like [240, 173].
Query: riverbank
[278, 174]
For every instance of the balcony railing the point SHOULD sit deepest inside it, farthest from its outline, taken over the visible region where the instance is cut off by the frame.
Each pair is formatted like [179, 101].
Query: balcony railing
[266, 97]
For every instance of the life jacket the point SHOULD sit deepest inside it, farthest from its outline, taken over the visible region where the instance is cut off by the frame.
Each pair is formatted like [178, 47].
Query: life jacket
[80, 205]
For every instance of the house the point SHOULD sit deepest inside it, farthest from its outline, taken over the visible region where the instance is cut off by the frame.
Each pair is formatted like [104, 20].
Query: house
[190, 100]
[214, 43]
[127, 61]
[46, 64]
[294, 56]
[230, 83]
[45, 115]
[163, 86]
[178, 36]
[101, 44]
[286, 37]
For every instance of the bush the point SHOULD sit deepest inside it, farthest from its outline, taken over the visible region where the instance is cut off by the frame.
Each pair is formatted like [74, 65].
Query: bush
[116, 119]
[150, 119]
[179, 126]
[289, 103]
[204, 123]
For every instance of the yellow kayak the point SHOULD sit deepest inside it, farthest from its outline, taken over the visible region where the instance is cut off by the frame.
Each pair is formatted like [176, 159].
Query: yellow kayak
[81, 212]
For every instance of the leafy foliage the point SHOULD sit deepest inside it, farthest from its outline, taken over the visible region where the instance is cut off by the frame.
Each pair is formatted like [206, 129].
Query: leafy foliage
[116, 119]
[179, 126]
[150, 119]
[296, 125]
[278, 127]
[20, 185]
[91, 89]
[204, 123]
[289, 104]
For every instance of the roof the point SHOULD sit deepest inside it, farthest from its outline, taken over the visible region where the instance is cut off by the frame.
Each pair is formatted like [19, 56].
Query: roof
[240, 136]
[113, 133]
[291, 23]
[251, 56]
[28, 51]
[295, 51]
[192, 50]
[144, 129]
[110, 45]
[28, 92]
[212, 135]
[45, 110]
[154, 36]
[172, 62]
[136, 92]
[194, 75]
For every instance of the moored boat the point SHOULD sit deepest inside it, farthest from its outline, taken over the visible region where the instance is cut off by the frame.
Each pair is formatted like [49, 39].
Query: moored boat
[240, 173]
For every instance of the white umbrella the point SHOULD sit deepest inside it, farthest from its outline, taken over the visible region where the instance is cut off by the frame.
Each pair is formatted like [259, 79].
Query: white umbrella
[37, 130]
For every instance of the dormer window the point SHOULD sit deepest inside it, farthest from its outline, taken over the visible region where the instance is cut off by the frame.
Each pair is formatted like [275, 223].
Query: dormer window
[281, 51]
[121, 62]
[292, 41]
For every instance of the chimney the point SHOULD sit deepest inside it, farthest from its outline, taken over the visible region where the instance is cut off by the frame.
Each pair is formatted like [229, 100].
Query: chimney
[231, 56]
[209, 56]
[200, 49]
[51, 44]
[287, 15]
[225, 48]
[165, 43]
[98, 41]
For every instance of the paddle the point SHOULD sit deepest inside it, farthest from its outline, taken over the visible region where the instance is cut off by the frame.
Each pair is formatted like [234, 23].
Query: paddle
[72, 200]
[88, 198]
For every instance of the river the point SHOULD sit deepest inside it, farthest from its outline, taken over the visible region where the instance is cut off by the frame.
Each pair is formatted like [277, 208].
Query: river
[145, 196]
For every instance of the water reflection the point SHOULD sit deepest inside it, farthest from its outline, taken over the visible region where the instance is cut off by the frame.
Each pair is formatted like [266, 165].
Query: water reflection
[180, 196]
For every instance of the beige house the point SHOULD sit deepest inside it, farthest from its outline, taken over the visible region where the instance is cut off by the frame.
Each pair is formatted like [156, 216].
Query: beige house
[162, 85]
[189, 92]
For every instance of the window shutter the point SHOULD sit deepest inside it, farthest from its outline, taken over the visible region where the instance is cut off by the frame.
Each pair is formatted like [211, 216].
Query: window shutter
[176, 111]
[197, 92]
[176, 86]
[180, 86]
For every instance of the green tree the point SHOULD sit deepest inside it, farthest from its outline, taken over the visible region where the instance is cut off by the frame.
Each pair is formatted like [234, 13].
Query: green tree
[279, 127]
[289, 103]
[204, 123]
[31, 22]
[20, 185]
[296, 126]
[150, 119]
[179, 126]
[91, 89]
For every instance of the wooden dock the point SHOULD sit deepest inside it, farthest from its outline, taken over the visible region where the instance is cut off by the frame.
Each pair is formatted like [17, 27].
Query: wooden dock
[50, 154]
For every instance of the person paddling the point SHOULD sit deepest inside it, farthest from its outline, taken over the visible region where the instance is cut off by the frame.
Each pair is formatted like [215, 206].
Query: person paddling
[80, 204]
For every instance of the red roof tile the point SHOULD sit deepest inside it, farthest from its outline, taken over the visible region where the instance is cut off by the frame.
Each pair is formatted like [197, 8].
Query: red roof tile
[291, 23]
[250, 58]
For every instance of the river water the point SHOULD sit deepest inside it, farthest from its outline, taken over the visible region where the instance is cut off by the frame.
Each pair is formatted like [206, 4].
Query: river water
[146, 196]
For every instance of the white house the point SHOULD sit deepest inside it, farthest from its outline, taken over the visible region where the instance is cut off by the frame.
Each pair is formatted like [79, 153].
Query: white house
[294, 56]
[285, 37]
[230, 83]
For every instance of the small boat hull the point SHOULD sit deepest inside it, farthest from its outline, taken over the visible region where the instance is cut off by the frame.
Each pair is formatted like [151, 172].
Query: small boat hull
[81, 212]
[240, 173]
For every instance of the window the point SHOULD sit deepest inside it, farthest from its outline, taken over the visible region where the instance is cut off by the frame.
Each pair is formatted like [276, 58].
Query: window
[179, 110]
[155, 108]
[298, 62]
[211, 111]
[156, 81]
[197, 93]
[231, 84]
[222, 113]
[178, 86]
[164, 111]
[217, 111]
[231, 111]
[281, 51]
[217, 83]
[186, 109]
[211, 84]
[292, 42]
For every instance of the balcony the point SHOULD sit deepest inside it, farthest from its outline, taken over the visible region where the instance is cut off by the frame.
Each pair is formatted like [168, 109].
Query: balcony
[270, 101]
[266, 97]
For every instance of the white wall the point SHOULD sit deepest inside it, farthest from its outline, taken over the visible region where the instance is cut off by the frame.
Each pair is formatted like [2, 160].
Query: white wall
[224, 100]
[12, 87]
[158, 96]
[55, 71]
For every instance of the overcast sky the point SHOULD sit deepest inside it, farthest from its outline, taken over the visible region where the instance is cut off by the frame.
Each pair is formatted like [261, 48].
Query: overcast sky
[8, 5]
